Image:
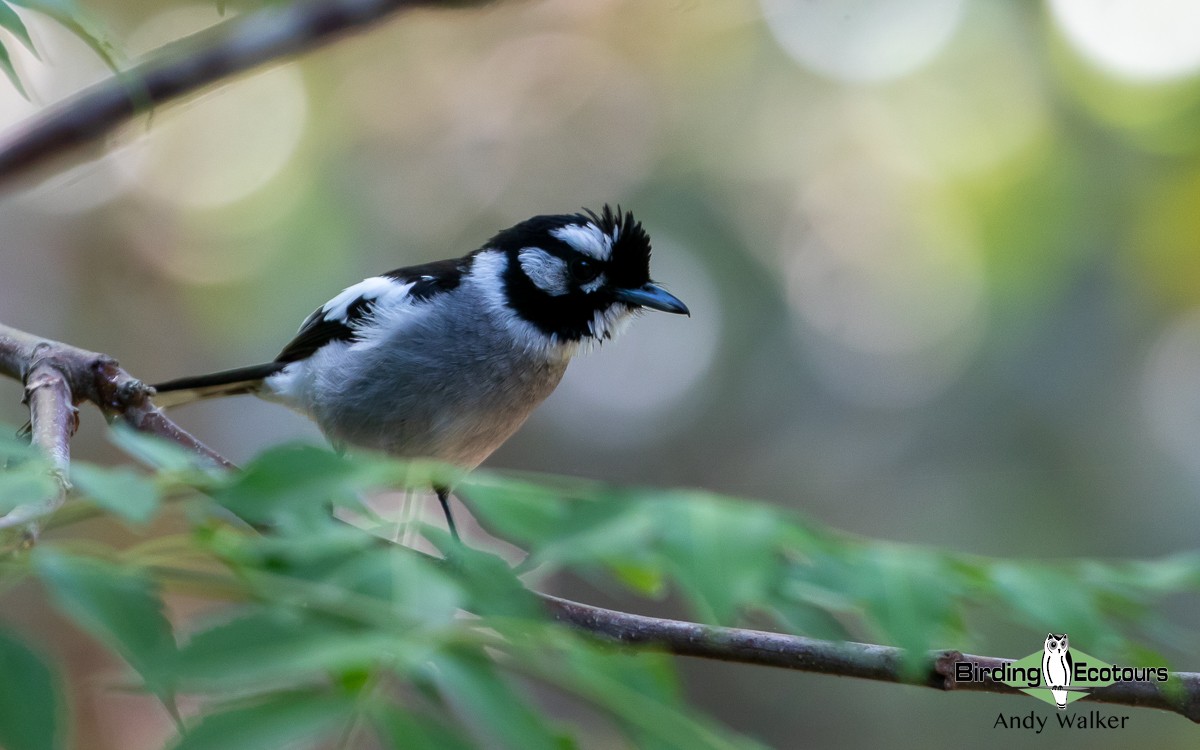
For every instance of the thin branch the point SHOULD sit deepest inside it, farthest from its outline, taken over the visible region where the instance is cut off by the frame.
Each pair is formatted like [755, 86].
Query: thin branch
[53, 420]
[87, 376]
[232, 47]
[862, 660]
[97, 378]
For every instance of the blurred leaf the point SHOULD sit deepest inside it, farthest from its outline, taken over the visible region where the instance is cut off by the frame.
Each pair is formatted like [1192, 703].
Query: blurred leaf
[28, 483]
[29, 699]
[13, 447]
[1036, 591]
[291, 720]
[6, 64]
[489, 703]
[644, 579]
[492, 587]
[803, 618]
[522, 512]
[10, 21]
[724, 556]
[417, 592]
[403, 730]
[295, 485]
[119, 490]
[78, 22]
[638, 689]
[265, 646]
[155, 452]
[119, 606]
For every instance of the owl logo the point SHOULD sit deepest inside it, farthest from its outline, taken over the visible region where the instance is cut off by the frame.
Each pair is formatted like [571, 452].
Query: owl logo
[1057, 667]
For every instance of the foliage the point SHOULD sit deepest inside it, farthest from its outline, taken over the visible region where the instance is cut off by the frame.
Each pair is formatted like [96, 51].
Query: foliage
[329, 631]
[67, 13]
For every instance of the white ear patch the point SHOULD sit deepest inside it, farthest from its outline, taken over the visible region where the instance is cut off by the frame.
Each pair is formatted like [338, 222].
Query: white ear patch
[587, 239]
[546, 272]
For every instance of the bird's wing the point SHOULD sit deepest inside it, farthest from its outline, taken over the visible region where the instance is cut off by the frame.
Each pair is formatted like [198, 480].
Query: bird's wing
[340, 318]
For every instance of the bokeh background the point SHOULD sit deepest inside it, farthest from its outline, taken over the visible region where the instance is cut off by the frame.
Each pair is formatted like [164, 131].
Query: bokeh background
[942, 258]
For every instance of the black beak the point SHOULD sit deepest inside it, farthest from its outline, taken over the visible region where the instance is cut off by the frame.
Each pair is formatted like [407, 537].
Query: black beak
[654, 297]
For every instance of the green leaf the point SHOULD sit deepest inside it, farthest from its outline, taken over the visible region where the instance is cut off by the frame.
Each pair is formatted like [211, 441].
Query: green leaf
[12, 22]
[30, 701]
[492, 705]
[402, 730]
[119, 606]
[290, 720]
[28, 483]
[647, 580]
[79, 23]
[293, 485]
[523, 512]
[152, 450]
[639, 689]
[725, 556]
[273, 646]
[13, 447]
[119, 490]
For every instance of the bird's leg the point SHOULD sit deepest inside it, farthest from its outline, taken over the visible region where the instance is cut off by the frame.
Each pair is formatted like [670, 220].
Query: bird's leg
[443, 494]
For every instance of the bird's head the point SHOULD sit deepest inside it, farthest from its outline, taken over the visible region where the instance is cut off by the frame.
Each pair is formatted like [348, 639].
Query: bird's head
[578, 277]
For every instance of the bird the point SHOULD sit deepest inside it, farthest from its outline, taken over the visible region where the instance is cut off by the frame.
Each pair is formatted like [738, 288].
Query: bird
[446, 360]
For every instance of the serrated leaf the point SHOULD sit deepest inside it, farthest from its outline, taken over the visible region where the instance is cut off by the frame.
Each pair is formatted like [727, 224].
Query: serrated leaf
[292, 720]
[119, 490]
[29, 699]
[119, 606]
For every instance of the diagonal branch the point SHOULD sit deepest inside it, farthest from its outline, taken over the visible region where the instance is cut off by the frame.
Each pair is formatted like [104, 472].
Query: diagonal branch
[235, 46]
[52, 370]
[863, 660]
[75, 375]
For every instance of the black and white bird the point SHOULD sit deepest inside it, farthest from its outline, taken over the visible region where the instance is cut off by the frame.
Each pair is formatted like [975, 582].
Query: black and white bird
[446, 360]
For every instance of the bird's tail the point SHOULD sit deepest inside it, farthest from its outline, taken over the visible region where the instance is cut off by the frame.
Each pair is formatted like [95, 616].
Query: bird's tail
[225, 383]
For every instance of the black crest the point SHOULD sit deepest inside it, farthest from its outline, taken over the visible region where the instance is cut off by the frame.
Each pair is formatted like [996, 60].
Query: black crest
[568, 315]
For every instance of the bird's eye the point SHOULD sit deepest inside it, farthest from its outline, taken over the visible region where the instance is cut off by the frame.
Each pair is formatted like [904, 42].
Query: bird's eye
[584, 270]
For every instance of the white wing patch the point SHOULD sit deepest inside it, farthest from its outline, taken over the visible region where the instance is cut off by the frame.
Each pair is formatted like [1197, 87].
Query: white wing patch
[544, 270]
[375, 289]
[588, 239]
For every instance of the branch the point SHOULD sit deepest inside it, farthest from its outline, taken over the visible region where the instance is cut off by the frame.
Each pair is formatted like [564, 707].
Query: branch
[53, 419]
[181, 68]
[58, 375]
[862, 660]
[57, 370]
